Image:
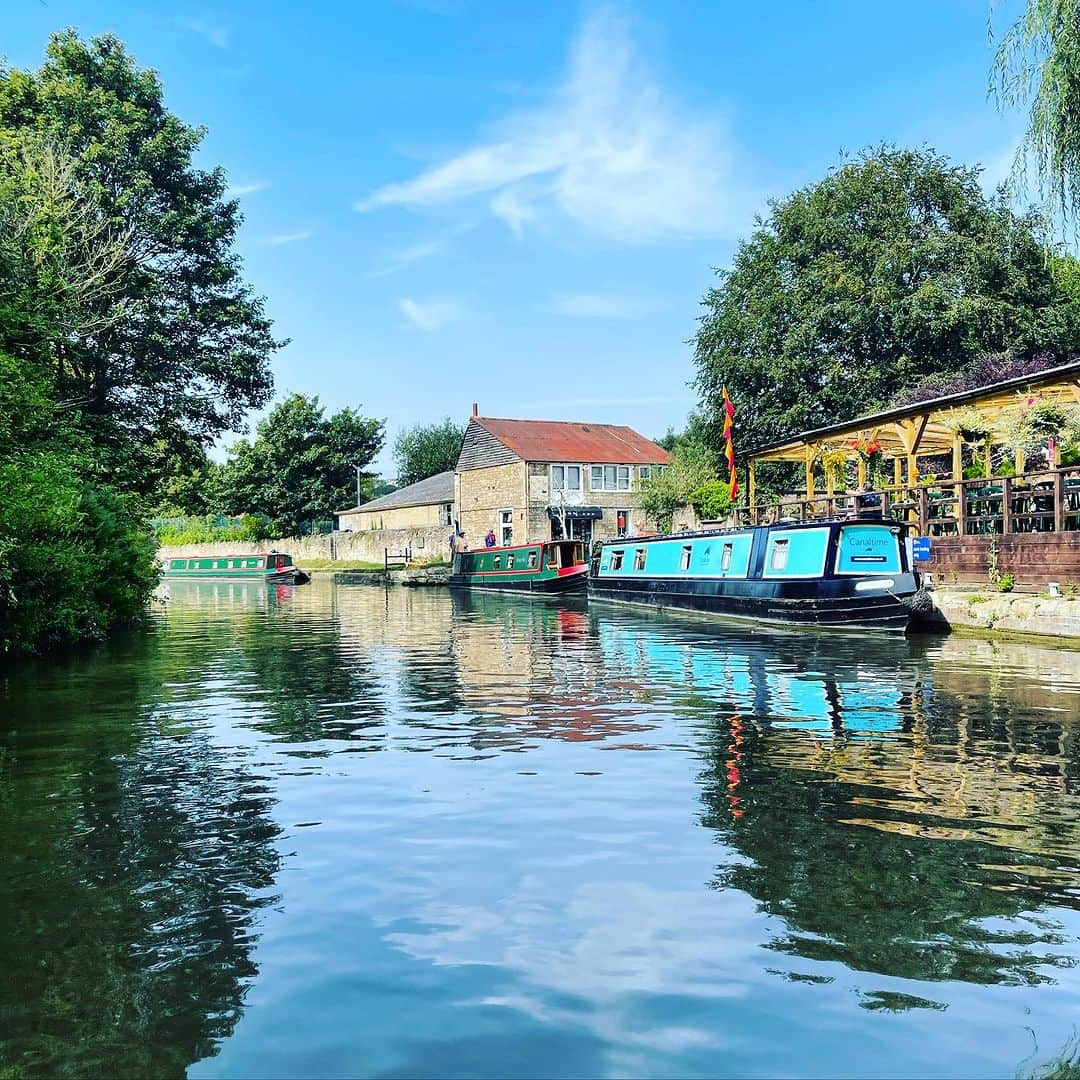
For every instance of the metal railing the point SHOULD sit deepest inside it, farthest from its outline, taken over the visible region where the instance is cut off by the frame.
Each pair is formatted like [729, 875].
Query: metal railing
[1045, 501]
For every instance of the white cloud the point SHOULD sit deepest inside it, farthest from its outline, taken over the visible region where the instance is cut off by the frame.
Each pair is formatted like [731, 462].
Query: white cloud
[235, 191]
[610, 150]
[432, 314]
[289, 238]
[217, 35]
[415, 253]
[590, 305]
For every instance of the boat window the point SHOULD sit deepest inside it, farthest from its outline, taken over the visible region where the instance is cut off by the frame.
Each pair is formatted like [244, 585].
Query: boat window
[498, 562]
[178, 564]
[687, 553]
[532, 560]
[725, 557]
[509, 562]
[778, 561]
[617, 560]
[639, 558]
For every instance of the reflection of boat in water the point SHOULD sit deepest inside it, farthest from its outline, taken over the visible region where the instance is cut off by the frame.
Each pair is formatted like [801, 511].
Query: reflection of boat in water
[779, 680]
[555, 566]
[854, 575]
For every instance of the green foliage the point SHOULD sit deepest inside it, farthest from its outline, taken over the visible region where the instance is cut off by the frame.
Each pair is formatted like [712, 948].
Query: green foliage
[1006, 583]
[301, 465]
[1038, 67]
[128, 289]
[711, 501]
[660, 495]
[248, 528]
[75, 557]
[893, 268]
[427, 449]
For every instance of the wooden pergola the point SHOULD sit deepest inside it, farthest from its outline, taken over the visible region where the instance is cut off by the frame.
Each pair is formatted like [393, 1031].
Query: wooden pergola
[925, 429]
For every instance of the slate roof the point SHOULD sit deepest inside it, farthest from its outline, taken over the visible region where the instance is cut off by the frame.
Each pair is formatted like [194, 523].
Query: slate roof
[558, 440]
[435, 489]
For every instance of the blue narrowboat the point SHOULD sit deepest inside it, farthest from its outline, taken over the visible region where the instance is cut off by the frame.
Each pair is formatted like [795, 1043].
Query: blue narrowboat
[855, 575]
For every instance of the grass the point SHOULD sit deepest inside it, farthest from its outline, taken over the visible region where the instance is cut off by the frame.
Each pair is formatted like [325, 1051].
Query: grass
[316, 565]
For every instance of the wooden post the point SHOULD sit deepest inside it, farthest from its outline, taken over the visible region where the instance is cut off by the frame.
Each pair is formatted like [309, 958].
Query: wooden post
[961, 507]
[897, 475]
[1059, 503]
[989, 461]
[924, 512]
[809, 473]
[957, 458]
[1018, 461]
[751, 483]
[1006, 505]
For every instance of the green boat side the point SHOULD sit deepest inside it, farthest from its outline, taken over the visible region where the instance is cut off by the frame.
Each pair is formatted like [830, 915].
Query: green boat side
[553, 566]
[269, 566]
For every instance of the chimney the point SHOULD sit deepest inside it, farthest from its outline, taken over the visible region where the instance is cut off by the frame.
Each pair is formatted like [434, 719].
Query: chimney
[475, 409]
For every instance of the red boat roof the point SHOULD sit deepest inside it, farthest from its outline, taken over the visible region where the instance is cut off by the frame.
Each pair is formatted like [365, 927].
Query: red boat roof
[560, 440]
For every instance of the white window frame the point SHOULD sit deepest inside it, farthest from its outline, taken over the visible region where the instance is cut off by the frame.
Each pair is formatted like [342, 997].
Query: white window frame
[686, 556]
[641, 556]
[644, 472]
[626, 526]
[617, 560]
[506, 522]
[564, 466]
[621, 478]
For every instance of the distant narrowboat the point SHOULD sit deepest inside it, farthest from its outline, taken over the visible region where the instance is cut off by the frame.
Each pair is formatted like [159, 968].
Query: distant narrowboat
[552, 566]
[852, 574]
[273, 566]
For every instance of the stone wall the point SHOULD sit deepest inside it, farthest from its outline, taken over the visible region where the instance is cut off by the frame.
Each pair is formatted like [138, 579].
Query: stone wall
[1011, 613]
[403, 517]
[427, 545]
[482, 493]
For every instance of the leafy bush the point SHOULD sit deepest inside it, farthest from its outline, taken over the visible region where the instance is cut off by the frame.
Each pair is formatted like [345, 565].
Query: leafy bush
[247, 528]
[75, 559]
[711, 501]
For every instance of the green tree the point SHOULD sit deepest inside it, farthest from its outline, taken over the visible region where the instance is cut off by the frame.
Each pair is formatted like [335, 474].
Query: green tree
[427, 449]
[670, 489]
[302, 464]
[1038, 66]
[893, 268]
[165, 341]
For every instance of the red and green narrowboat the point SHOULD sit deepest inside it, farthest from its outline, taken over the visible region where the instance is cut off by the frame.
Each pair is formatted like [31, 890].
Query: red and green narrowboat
[272, 566]
[553, 566]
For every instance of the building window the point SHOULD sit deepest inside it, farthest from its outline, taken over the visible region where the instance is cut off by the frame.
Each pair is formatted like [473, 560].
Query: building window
[506, 527]
[509, 562]
[687, 553]
[622, 522]
[448, 514]
[725, 557]
[616, 560]
[566, 478]
[609, 477]
[778, 560]
[644, 472]
[639, 558]
[532, 560]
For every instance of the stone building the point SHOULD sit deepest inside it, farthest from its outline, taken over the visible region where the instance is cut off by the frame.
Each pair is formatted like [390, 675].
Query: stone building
[545, 479]
[419, 517]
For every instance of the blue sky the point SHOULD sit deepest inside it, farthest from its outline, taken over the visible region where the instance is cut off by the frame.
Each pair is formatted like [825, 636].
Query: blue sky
[522, 204]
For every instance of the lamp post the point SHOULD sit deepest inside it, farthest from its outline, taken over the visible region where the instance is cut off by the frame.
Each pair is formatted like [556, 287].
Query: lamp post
[359, 494]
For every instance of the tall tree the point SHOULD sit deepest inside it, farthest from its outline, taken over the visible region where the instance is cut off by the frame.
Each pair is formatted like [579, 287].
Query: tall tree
[1038, 66]
[171, 344]
[302, 464]
[894, 267]
[427, 449]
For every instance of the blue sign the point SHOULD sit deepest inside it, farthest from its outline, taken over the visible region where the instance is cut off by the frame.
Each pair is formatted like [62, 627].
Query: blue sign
[920, 547]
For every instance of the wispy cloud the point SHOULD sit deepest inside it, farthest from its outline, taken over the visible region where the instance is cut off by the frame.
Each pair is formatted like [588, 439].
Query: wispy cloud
[610, 150]
[597, 305]
[212, 32]
[431, 315]
[277, 239]
[414, 253]
[235, 191]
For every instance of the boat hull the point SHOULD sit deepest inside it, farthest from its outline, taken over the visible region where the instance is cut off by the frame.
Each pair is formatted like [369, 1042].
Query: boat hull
[286, 576]
[808, 604]
[575, 582]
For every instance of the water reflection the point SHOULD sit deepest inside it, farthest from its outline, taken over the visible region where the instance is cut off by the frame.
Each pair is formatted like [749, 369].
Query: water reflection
[584, 841]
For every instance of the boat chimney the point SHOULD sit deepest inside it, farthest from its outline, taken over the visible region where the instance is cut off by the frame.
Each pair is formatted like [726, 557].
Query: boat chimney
[475, 409]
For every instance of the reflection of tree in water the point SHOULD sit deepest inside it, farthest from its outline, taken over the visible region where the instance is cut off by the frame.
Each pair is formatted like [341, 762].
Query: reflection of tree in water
[135, 861]
[882, 898]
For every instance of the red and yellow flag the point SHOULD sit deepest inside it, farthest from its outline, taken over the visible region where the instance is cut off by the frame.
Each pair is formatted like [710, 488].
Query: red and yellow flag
[729, 449]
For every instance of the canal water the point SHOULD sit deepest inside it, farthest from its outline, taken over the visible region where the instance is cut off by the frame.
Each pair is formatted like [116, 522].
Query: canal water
[339, 831]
